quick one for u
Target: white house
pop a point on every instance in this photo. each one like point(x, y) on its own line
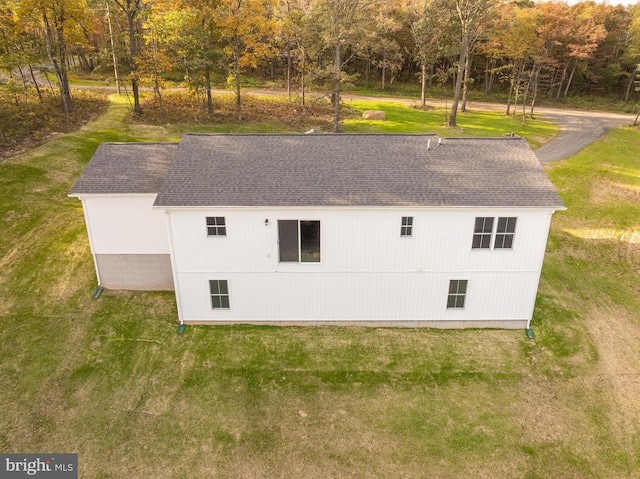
point(389, 230)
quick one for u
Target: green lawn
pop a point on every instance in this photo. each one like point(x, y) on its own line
point(403, 119)
point(111, 379)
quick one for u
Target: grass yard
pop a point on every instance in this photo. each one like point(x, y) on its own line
point(111, 379)
point(401, 119)
point(268, 114)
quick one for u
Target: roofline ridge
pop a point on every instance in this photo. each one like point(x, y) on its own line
point(305, 135)
point(129, 143)
point(484, 138)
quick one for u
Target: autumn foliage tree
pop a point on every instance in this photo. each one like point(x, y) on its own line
point(343, 25)
point(59, 21)
point(519, 48)
point(246, 27)
point(132, 9)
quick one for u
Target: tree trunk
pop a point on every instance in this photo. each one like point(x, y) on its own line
point(53, 92)
point(465, 82)
point(512, 84)
point(289, 72)
point(384, 67)
point(524, 103)
point(564, 75)
point(458, 84)
point(57, 56)
point(515, 85)
point(207, 86)
point(535, 91)
point(367, 73)
point(23, 77)
point(133, 49)
point(632, 78)
point(236, 67)
point(159, 95)
point(337, 70)
point(486, 78)
point(526, 92)
point(113, 49)
point(35, 82)
point(573, 70)
point(423, 74)
point(302, 78)
point(553, 81)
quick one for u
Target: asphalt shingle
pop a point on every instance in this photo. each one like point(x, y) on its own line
point(354, 170)
point(125, 168)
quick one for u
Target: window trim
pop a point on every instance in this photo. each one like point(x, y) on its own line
point(216, 227)
point(299, 238)
point(220, 295)
point(406, 229)
point(457, 294)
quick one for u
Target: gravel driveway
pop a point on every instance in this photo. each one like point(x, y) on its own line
point(577, 130)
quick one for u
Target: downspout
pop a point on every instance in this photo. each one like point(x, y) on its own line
point(533, 306)
point(87, 221)
point(174, 271)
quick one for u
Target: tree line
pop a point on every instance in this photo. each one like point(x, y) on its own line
point(521, 48)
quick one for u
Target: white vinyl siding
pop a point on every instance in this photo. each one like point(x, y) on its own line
point(303, 296)
point(122, 224)
point(364, 263)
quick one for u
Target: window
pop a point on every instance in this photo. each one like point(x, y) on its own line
point(482, 233)
point(457, 293)
point(504, 233)
point(219, 294)
point(299, 241)
point(406, 228)
point(216, 226)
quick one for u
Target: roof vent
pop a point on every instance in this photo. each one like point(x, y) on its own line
point(428, 145)
point(313, 131)
point(439, 141)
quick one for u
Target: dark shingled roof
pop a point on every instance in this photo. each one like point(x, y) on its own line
point(354, 170)
point(121, 168)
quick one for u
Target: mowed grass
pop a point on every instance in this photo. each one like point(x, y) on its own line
point(403, 119)
point(111, 379)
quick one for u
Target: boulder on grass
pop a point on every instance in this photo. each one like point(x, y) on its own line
point(374, 115)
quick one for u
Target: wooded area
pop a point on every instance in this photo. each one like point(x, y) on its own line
point(521, 48)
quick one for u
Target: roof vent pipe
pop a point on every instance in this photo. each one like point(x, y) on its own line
point(428, 145)
point(439, 141)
